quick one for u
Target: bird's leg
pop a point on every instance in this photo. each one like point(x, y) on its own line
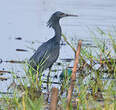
point(48, 82)
point(48, 77)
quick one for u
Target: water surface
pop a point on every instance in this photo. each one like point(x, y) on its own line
point(27, 19)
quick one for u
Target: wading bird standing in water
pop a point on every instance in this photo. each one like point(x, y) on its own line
point(47, 54)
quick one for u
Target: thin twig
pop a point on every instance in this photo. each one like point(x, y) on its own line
point(54, 99)
point(73, 76)
point(14, 61)
point(3, 78)
point(2, 71)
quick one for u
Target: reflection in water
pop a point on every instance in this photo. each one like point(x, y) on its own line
point(67, 59)
point(1, 61)
point(18, 38)
point(21, 50)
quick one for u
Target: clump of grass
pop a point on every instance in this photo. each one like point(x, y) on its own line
point(27, 95)
point(97, 68)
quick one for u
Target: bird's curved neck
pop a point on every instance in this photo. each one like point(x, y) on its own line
point(57, 29)
point(54, 23)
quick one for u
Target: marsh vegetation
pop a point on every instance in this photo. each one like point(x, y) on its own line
point(95, 87)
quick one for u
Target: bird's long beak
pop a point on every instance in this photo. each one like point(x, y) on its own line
point(71, 15)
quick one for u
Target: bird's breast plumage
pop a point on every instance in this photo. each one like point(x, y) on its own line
point(46, 54)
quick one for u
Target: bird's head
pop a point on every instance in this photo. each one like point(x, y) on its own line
point(57, 16)
point(60, 14)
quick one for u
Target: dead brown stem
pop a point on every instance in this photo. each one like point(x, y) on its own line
point(73, 76)
point(54, 99)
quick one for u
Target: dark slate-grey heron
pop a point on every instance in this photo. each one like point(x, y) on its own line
point(47, 54)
